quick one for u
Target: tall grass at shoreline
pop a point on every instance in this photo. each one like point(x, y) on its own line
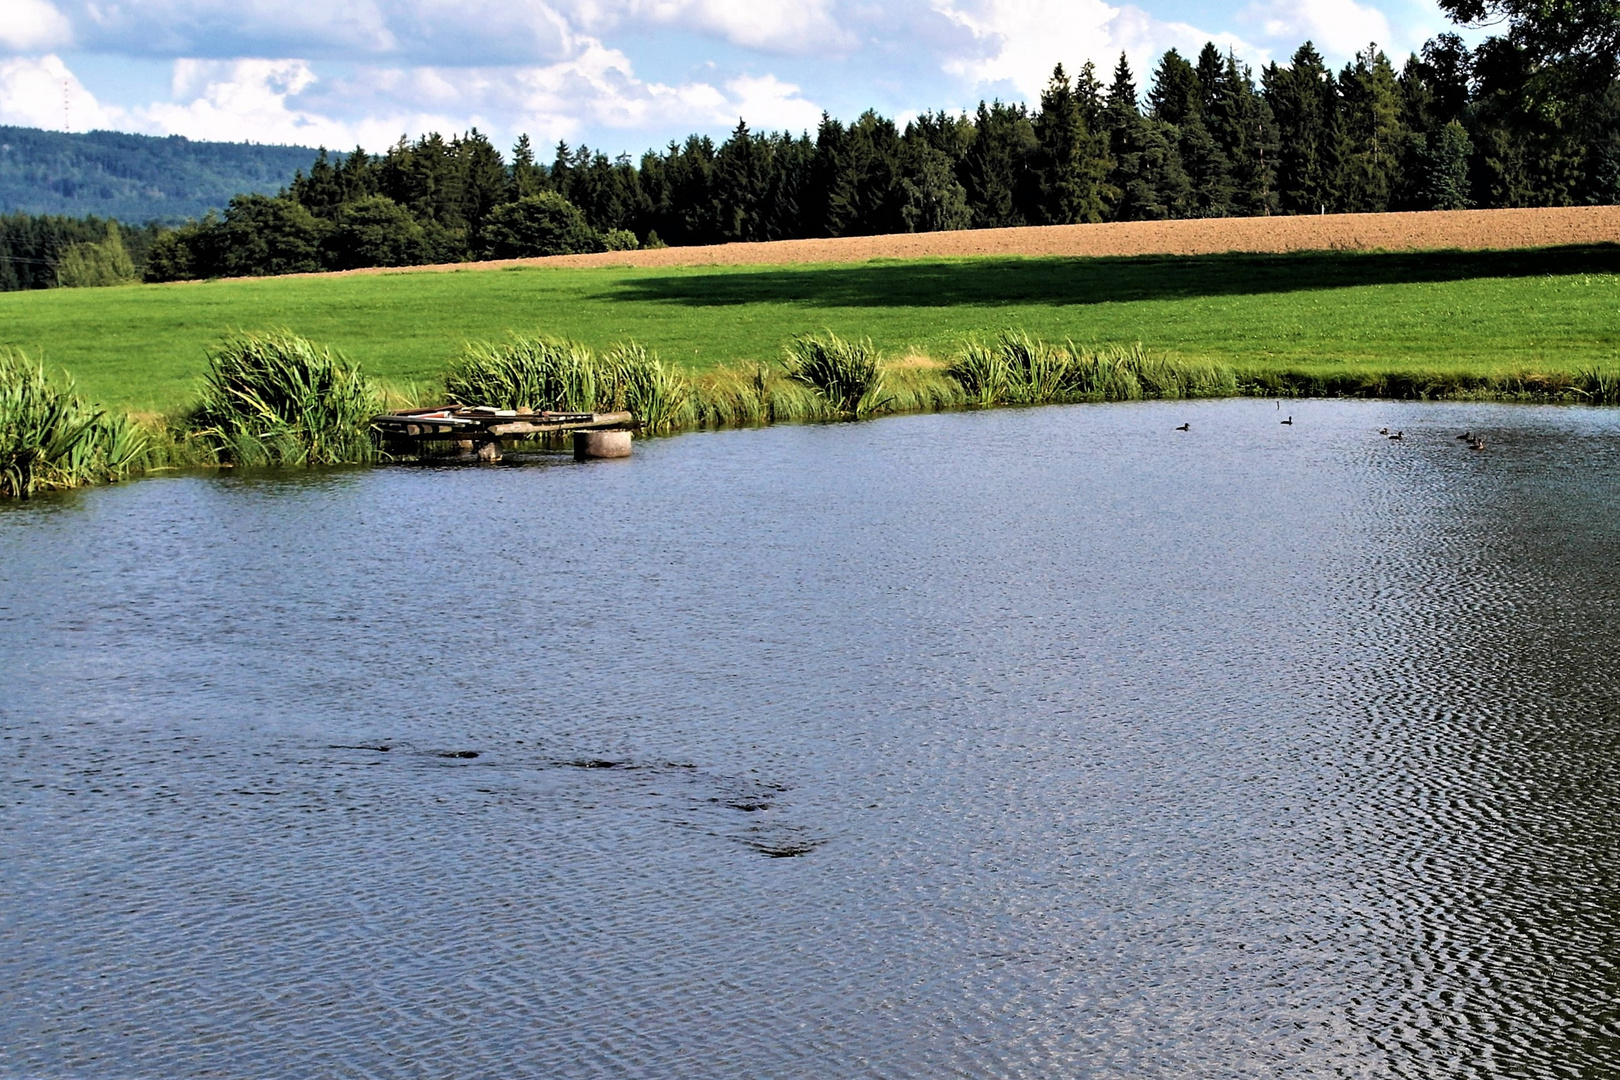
point(279, 399)
point(847, 375)
point(1016, 369)
point(554, 374)
point(50, 439)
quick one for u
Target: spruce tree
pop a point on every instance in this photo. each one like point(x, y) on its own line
point(524, 176)
point(357, 176)
point(996, 166)
point(1177, 96)
point(742, 176)
point(1304, 100)
point(1446, 183)
point(1147, 173)
point(1072, 162)
point(1374, 133)
point(483, 181)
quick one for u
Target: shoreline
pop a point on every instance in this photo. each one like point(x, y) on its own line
point(176, 459)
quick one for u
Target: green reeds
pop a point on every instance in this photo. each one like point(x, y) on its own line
point(848, 375)
point(277, 398)
point(755, 395)
point(554, 374)
point(635, 380)
point(50, 439)
point(1016, 369)
point(528, 373)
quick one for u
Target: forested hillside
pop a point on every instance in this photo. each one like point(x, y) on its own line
point(134, 178)
point(1514, 122)
point(1453, 128)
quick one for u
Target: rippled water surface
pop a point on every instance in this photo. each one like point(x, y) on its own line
point(1017, 744)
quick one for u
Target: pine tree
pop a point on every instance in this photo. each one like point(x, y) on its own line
point(1446, 182)
point(357, 176)
point(319, 192)
point(1072, 162)
point(1177, 95)
point(742, 176)
point(1374, 133)
point(1148, 173)
point(786, 207)
point(1088, 94)
point(996, 170)
point(1246, 131)
point(482, 175)
point(1178, 98)
point(524, 176)
point(1304, 100)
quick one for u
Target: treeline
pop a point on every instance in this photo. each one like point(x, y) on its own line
point(1454, 128)
point(45, 251)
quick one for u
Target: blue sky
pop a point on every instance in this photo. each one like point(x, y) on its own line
point(621, 75)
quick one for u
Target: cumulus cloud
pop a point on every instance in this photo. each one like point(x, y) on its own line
point(790, 26)
point(1019, 41)
point(1338, 28)
point(342, 72)
point(32, 26)
point(288, 101)
point(595, 91)
point(42, 92)
point(472, 32)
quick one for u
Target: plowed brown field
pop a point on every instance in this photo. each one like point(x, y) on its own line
point(1434, 230)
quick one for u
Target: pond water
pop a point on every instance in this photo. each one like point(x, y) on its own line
point(1028, 743)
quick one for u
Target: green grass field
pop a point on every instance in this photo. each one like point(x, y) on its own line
point(1324, 313)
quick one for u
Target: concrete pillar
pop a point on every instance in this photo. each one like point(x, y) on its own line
point(601, 444)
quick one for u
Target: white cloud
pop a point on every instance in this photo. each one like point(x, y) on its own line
point(32, 26)
point(209, 28)
point(42, 92)
point(471, 32)
point(1338, 28)
point(791, 26)
point(287, 101)
point(233, 100)
point(767, 102)
point(1021, 40)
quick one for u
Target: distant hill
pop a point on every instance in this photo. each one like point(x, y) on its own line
point(134, 178)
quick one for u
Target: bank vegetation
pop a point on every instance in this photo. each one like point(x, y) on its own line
point(278, 399)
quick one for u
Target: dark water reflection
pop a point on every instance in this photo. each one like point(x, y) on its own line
point(1101, 751)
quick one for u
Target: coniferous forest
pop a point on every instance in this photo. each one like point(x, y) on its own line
point(1511, 123)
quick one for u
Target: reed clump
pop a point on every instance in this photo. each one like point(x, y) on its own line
point(280, 399)
point(755, 395)
point(848, 375)
point(50, 439)
point(1016, 369)
point(542, 373)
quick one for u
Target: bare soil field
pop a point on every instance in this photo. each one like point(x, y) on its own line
point(1460, 230)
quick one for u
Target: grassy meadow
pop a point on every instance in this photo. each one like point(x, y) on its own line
point(1330, 315)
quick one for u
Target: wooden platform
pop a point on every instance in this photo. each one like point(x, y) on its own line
point(479, 430)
